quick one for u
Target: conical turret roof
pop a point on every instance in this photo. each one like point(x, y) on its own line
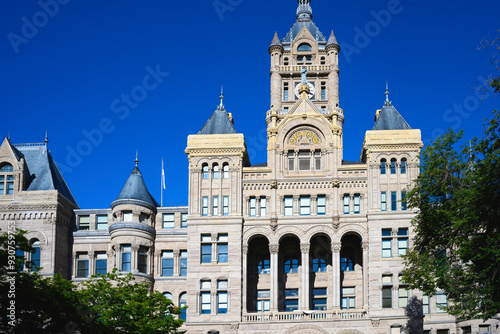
point(389, 118)
point(332, 40)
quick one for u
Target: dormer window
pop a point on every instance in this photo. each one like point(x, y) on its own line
point(304, 47)
point(6, 179)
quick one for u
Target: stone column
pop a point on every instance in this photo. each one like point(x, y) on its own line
point(151, 262)
point(158, 262)
point(74, 264)
point(134, 258)
point(91, 263)
point(364, 246)
point(314, 205)
point(244, 249)
point(351, 203)
point(296, 205)
point(304, 249)
point(214, 248)
point(246, 200)
point(257, 206)
point(273, 251)
point(110, 254)
point(336, 275)
point(177, 262)
point(118, 257)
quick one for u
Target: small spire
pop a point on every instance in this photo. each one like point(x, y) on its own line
point(46, 140)
point(8, 136)
point(221, 98)
point(276, 39)
point(136, 158)
point(387, 102)
point(304, 11)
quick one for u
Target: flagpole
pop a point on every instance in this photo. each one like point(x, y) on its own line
point(162, 186)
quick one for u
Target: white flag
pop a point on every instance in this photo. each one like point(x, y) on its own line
point(162, 175)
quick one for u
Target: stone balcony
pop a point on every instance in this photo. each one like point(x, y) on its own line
point(310, 68)
point(301, 316)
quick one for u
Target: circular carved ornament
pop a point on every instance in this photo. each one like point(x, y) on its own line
point(304, 137)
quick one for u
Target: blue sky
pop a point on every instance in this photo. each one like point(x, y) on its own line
point(68, 66)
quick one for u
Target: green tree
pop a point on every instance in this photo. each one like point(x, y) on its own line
point(117, 304)
point(457, 229)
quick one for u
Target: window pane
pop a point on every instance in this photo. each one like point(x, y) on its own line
point(222, 253)
point(168, 220)
point(291, 292)
point(206, 253)
point(183, 263)
point(263, 293)
point(205, 285)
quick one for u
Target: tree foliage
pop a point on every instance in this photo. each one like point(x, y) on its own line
point(457, 229)
point(106, 304)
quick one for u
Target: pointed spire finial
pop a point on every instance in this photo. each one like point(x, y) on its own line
point(46, 140)
point(8, 136)
point(221, 98)
point(136, 158)
point(387, 102)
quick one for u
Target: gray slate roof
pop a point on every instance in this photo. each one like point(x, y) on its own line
point(276, 40)
point(332, 40)
point(43, 170)
point(390, 119)
point(218, 123)
point(135, 190)
point(318, 36)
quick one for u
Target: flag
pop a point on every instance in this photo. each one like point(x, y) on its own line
point(162, 175)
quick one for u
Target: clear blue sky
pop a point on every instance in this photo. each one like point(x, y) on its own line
point(67, 72)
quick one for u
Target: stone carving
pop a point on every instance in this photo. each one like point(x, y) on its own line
point(336, 183)
point(273, 249)
point(336, 247)
point(303, 75)
point(304, 248)
point(274, 224)
point(274, 184)
point(336, 222)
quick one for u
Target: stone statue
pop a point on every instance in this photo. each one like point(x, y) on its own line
point(304, 75)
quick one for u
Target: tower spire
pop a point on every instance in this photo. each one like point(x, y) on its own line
point(46, 140)
point(221, 98)
point(136, 158)
point(387, 102)
point(304, 11)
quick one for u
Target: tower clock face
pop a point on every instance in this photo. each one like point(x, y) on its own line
point(312, 90)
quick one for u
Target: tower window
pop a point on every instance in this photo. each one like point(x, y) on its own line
point(403, 166)
point(304, 47)
point(285, 61)
point(322, 62)
point(304, 60)
point(6, 181)
point(383, 164)
point(323, 90)
point(285, 91)
point(142, 263)
point(393, 166)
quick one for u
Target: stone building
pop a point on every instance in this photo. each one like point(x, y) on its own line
point(305, 243)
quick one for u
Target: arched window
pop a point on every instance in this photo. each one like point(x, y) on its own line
point(225, 171)
point(285, 61)
point(35, 255)
point(319, 260)
point(403, 166)
point(204, 170)
point(291, 261)
point(393, 166)
point(347, 258)
point(182, 303)
point(304, 47)
point(383, 165)
point(263, 263)
point(169, 296)
point(322, 61)
point(215, 170)
point(6, 180)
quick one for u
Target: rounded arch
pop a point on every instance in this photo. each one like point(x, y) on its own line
point(306, 329)
point(6, 167)
point(351, 229)
point(256, 233)
point(37, 235)
point(304, 47)
point(289, 231)
point(320, 127)
point(319, 230)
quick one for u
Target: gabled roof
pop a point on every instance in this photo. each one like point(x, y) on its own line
point(390, 119)
point(297, 27)
point(135, 190)
point(44, 174)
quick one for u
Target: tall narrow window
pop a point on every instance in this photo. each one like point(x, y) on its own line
point(285, 61)
point(263, 206)
point(322, 61)
point(263, 264)
point(184, 259)
point(168, 220)
point(204, 206)
point(357, 203)
point(167, 264)
point(387, 297)
point(386, 243)
point(204, 170)
point(319, 299)
point(215, 171)
point(225, 205)
point(441, 302)
point(288, 205)
point(126, 257)
point(82, 265)
point(182, 303)
point(263, 300)
point(346, 204)
point(142, 261)
point(348, 298)
point(425, 304)
point(10, 185)
point(394, 200)
point(402, 296)
point(35, 255)
point(323, 90)
point(291, 300)
point(383, 201)
point(215, 206)
point(403, 200)
point(83, 223)
point(206, 248)
point(285, 91)
point(184, 220)
point(222, 251)
point(205, 297)
point(403, 166)
point(225, 171)
point(317, 160)
point(305, 205)
point(383, 164)
point(222, 300)
point(319, 261)
point(291, 262)
point(101, 222)
point(20, 257)
point(291, 161)
point(402, 241)
point(393, 166)
point(321, 205)
point(252, 207)
point(304, 160)
point(101, 263)
point(347, 257)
